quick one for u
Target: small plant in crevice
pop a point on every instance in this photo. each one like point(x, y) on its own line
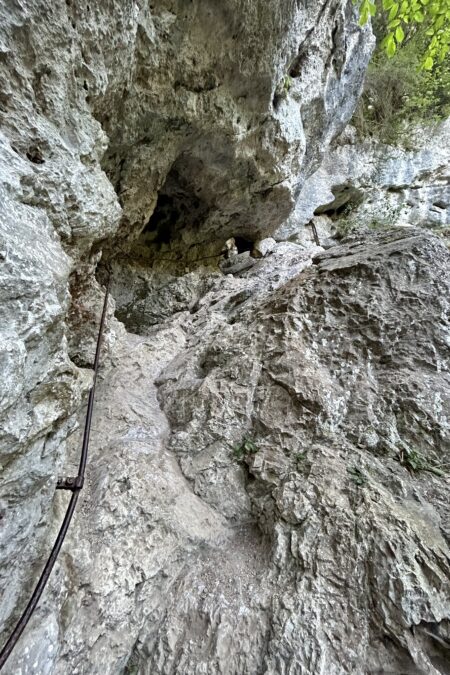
point(287, 83)
point(282, 90)
point(414, 461)
point(132, 667)
point(300, 456)
point(244, 449)
point(131, 670)
point(357, 476)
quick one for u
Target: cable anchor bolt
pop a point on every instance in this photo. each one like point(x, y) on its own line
point(70, 483)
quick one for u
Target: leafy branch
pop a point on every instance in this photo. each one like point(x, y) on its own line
point(414, 461)
point(407, 18)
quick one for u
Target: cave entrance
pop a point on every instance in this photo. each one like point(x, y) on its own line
point(161, 225)
point(179, 213)
point(156, 276)
point(243, 244)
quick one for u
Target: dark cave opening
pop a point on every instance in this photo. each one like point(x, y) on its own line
point(161, 269)
point(151, 271)
point(179, 207)
point(162, 223)
point(243, 244)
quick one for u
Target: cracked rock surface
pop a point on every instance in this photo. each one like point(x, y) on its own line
point(332, 379)
point(367, 183)
point(253, 505)
point(267, 489)
point(107, 110)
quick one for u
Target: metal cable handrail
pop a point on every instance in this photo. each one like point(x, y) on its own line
point(71, 483)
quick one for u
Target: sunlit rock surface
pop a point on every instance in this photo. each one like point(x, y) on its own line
point(361, 184)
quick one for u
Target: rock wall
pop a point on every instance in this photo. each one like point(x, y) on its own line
point(297, 417)
point(239, 473)
point(268, 487)
point(155, 95)
point(364, 183)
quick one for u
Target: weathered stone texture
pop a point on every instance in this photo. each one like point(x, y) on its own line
point(142, 91)
point(314, 549)
point(336, 378)
point(364, 183)
point(153, 133)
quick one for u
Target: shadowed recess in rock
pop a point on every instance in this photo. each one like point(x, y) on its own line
point(179, 206)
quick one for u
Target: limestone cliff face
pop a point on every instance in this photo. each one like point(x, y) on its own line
point(364, 183)
point(147, 134)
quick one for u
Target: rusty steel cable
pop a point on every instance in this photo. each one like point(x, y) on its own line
point(74, 484)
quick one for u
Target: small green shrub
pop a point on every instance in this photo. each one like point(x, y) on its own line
point(287, 83)
point(399, 93)
point(242, 450)
point(398, 96)
point(414, 461)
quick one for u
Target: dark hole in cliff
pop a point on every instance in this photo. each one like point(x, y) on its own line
point(295, 69)
point(163, 221)
point(243, 244)
point(149, 281)
point(276, 101)
point(179, 207)
point(34, 154)
point(440, 205)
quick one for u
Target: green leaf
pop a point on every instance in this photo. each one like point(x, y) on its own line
point(391, 47)
point(399, 35)
point(393, 11)
point(364, 17)
point(428, 63)
point(444, 51)
point(412, 19)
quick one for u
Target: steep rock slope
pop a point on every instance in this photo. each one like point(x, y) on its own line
point(111, 113)
point(268, 488)
point(307, 415)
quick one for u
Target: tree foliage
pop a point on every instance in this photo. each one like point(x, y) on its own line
point(406, 19)
point(399, 96)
